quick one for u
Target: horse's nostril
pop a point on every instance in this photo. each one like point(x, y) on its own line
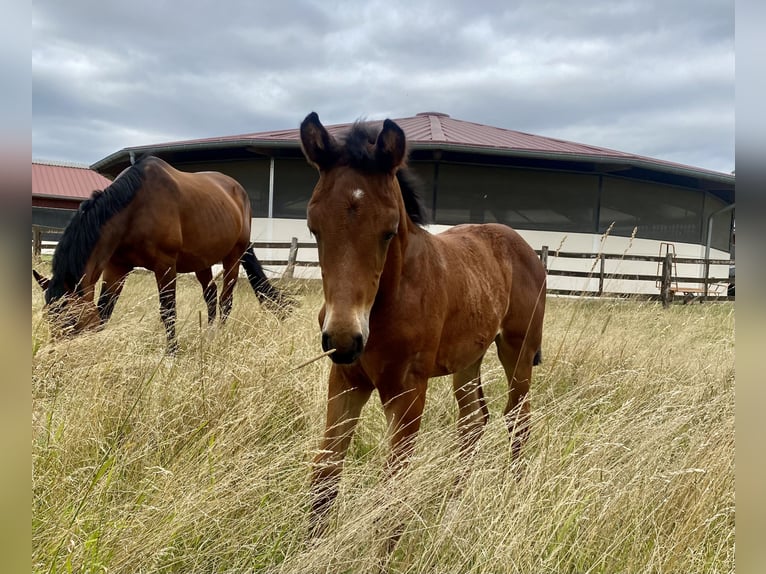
point(358, 343)
point(347, 348)
point(326, 342)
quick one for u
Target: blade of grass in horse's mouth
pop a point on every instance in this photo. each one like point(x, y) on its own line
point(304, 363)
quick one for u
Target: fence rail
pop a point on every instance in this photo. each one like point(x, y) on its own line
point(667, 284)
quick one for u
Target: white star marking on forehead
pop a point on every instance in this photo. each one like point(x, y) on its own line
point(357, 194)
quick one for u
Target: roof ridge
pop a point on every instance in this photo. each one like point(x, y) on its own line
point(437, 134)
point(60, 163)
point(550, 138)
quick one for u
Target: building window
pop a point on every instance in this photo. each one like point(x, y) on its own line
point(294, 181)
point(522, 199)
point(657, 211)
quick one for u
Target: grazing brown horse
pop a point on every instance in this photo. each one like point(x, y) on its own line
point(402, 305)
point(165, 220)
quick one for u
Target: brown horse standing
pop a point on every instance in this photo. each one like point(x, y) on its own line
point(165, 220)
point(402, 305)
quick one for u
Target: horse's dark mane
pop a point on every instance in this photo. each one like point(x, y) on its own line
point(410, 185)
point(84, 229)
point(358, 151)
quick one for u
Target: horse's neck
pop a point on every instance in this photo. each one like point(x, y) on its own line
point(94, 266)
point(404, 253)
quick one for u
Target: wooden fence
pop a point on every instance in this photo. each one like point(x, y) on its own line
point(667, 283)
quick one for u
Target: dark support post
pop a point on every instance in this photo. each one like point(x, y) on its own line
point(37, 241)
point(601, 275)
point(705, 284)
point(291, 258)
point(667, 268)
point(544, 256)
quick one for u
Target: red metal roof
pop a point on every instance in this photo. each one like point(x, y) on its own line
point(65, 180)
point(436, 127)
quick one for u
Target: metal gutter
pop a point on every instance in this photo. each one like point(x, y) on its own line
point(125, 152)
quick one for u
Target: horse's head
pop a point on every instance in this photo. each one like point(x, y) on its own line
point(68, 313)
point(355, 213)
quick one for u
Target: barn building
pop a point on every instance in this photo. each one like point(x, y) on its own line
point(557, 193)
point(58, 188)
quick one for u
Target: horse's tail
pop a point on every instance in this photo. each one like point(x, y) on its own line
point(267, 294)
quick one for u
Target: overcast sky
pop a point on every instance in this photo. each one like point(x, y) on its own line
point(650, 77)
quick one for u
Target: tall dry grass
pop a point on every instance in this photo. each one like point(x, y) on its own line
point(200, 462)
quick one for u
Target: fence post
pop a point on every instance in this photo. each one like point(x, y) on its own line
point(291, 258)
point(37, 241)
point(601, 275)
point(544, 256)
point(667, 268)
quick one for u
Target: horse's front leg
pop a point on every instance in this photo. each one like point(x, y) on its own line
point(114, 280)
point(209, 292)
point(472, 407)
point(348, 391)
point(166, 284)
point(403, 404)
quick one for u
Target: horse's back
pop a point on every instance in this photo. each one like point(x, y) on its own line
point(203, 189)
point(494, 244)
point(498, 253)
point(198, 218)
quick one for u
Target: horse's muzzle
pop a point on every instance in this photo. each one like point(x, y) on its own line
point(347, 348)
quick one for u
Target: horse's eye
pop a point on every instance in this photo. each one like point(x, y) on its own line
point(388, 236)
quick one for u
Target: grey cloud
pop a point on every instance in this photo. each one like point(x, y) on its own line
point(646, 76)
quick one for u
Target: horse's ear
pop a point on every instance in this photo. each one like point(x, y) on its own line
point(43, 282)
point(318, 145)
point(391, 147)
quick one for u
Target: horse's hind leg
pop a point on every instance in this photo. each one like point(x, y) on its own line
point(230, 274)
point(209, 292)
point(166, 284)
point(517, 359)
point(472, 408)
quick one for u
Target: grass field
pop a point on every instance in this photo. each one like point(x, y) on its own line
point(200, 462)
